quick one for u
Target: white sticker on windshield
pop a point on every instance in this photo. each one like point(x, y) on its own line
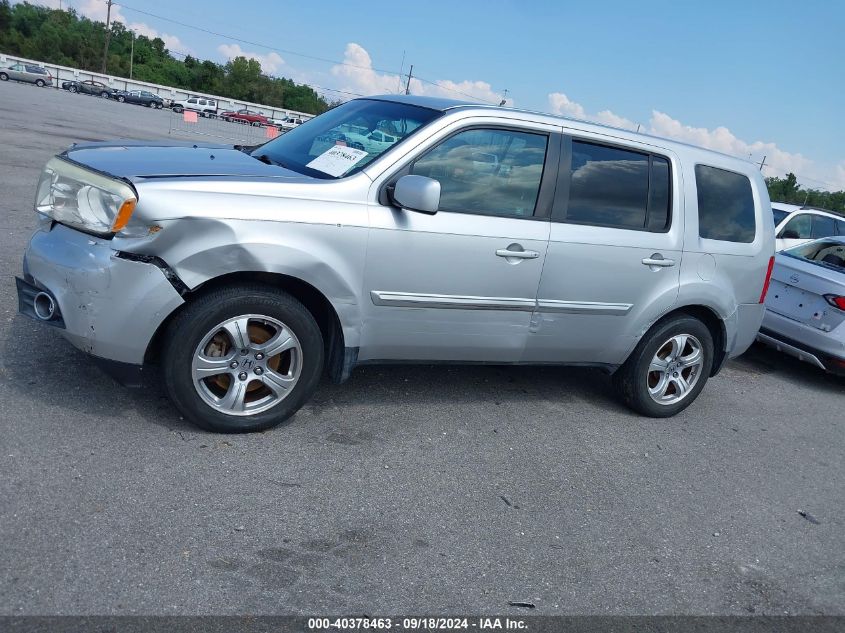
point(337, 160)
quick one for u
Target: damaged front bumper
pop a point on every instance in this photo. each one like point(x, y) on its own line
point(104, 303)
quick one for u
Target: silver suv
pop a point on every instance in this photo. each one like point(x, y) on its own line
point(247, 273)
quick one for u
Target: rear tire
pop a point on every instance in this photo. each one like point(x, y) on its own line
point(73, 89)
point(668, 368)
point(215, 379)
point(40, 83)
point(159, 105)
point(121, 99)
point(104, 95)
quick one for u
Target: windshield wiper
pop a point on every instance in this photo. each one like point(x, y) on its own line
point(269, 161)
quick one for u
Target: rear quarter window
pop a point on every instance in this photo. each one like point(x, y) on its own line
point(725, 205)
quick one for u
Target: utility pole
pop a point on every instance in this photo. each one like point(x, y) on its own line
point(132, 55)
point(108, 36)
point(408, 85)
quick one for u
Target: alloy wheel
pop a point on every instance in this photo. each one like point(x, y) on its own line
point(246, 365)
point(675, 369)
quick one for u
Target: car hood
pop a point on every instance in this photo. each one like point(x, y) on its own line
point(135, 161)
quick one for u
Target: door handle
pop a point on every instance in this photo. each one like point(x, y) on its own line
point(504, 252)
point(658, 261)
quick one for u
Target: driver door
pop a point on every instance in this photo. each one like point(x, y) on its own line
point(461, 285)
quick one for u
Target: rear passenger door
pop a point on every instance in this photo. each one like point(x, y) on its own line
point(614, 252)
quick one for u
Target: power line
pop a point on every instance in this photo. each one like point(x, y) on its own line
point(802, 177)
point(296, 54)
point(251, 43)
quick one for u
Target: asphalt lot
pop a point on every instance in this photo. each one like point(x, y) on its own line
point(408, 490)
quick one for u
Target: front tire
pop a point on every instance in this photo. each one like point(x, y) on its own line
point(73, 89)
point(121, 99)
point(668, 368)
point(104, 95)
point(4, 77)
point(242, 358)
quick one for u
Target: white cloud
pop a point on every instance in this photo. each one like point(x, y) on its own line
point(721, 139)
point(358, 75)
point(270, 63)
point(96, 10)
point(561, 104)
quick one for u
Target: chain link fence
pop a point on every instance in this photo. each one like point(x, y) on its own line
point(191, 125)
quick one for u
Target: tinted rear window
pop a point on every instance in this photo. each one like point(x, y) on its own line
point(725, 205)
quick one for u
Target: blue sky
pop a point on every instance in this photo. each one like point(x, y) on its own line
point(759, 78)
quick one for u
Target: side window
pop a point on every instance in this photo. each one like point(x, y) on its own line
point(618, 188)
point(725, 205)
point(840, 227)
point(823, 226)
point(192, 100)
point(800, 227)
point(487, 171)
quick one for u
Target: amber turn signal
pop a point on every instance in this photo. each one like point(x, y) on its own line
point(123, 215)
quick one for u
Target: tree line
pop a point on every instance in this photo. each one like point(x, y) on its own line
point(788, 190)
point(69, 39)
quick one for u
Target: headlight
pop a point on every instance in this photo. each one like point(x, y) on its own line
point(82, 198)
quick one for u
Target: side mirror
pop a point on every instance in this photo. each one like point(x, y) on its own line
point(792, 234)
point(417, 193)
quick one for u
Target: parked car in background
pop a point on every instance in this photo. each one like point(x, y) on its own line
point(287, 123)
point(88, 87)
point(805, 305)
point(202, 105)
point(376, 141)
point(798, 225)
point(249, 275)
point(29, 73)
point(245, 115)
point(139, 97)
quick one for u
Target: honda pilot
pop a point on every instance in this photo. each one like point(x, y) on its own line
point(474, 235)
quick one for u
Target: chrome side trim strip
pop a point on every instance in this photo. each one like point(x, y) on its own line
point(790, 350)
point(453, 302)
point(584, 307)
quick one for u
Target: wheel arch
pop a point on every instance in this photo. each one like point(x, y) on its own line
point(710, 317)
point(340, 360)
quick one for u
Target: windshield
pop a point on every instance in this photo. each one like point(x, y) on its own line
point(780, 215)
point(344, 140)
point(827, 253)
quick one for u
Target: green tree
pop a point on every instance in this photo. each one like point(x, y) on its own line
point(65, 38)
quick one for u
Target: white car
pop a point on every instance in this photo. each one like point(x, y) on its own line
point(373, 143)
point(202, 105)
point(795, 225)
point(287, 124)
